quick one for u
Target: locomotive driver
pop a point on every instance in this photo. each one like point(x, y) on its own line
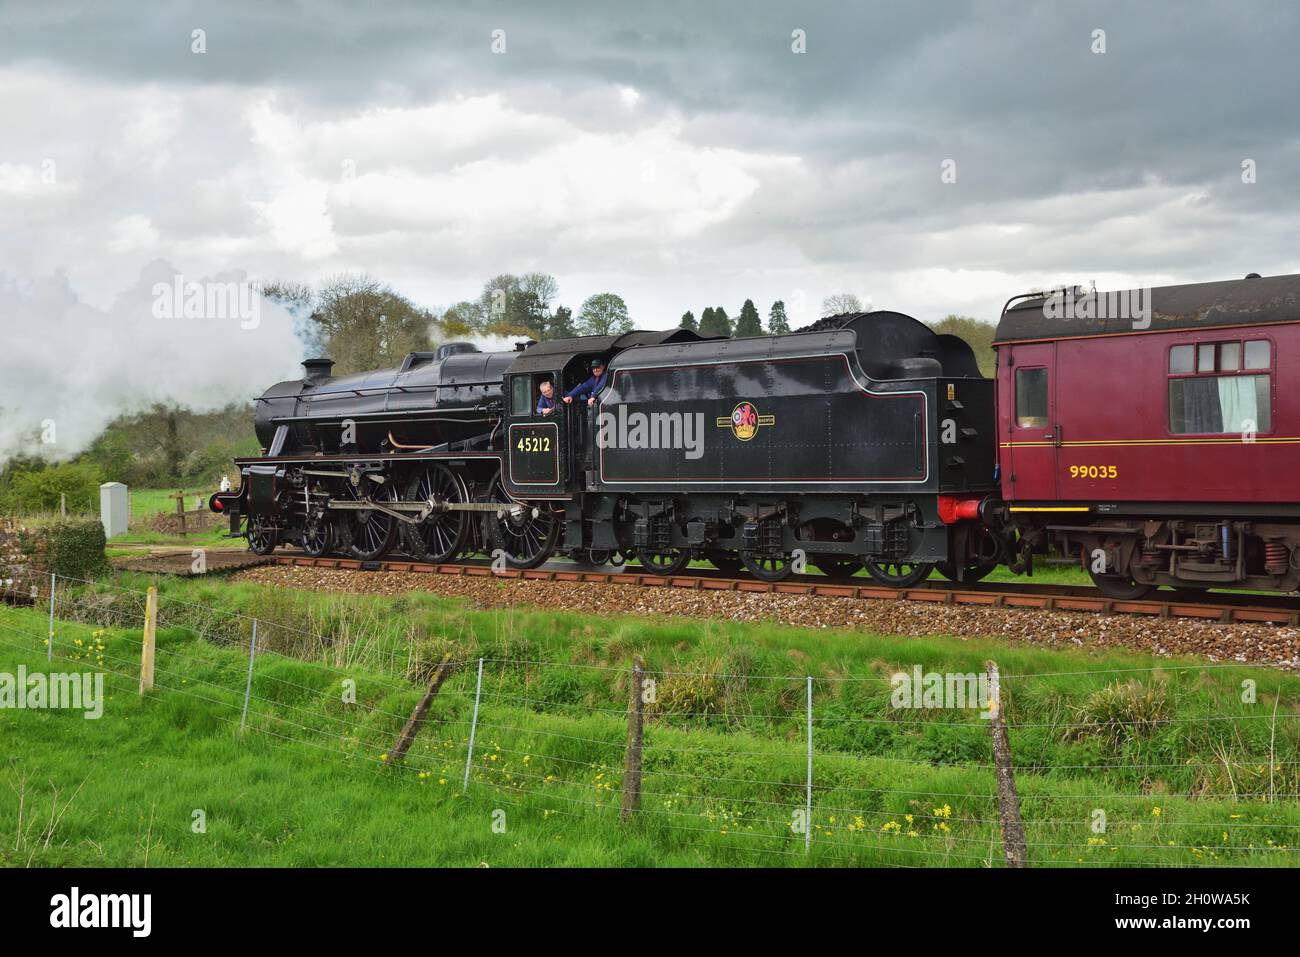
point(589, 388)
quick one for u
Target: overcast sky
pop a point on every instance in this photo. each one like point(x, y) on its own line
point(680, 154)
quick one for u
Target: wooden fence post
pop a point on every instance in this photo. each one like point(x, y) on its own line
point(635, 727)
point(1014, 849)
point(147, 645)
point(416, 720)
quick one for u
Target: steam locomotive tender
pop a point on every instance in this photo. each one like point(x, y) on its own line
point(868, 441)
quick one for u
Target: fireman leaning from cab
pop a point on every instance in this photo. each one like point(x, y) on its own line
point(588, 389)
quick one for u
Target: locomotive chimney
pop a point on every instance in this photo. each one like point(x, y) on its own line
point(317, 369)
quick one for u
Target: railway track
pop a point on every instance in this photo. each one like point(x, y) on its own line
point(1228, 608)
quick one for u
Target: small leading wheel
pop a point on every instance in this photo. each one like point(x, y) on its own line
point(1119, 587)
point(837, 567)
point(769, 568)
point(441, 536)
point(525, 534)
point(895, 574)
point(262, 535)
point(317, 537)
point(371, 531)
point(664, 563)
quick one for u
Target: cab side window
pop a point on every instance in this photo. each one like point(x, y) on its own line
point(521, 395)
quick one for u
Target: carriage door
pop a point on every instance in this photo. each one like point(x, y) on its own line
point(533, 441)
point(1031, 433)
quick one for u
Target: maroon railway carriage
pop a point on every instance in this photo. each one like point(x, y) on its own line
point(1161, 445)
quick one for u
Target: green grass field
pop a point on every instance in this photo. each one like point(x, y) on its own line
point(1181, 767)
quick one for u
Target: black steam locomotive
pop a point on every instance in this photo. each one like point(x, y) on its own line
point(867, 440)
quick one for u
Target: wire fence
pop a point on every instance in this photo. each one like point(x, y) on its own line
point(817, 775)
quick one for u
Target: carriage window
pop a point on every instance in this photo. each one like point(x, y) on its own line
point(1180, 359)
point(1216, 397)
point(521, 397)
point(1031, 398)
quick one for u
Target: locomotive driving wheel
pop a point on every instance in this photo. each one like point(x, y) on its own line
point(441, 536)
point(262, 535)
point(526, 534)
point(372, 532)
point(895, 574)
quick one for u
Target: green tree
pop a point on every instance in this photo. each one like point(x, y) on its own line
point(749, 323)
point(777, 323)
point(41, 488)
point(561, 325)
point(511, 308)
point(715, 322)
point(688, 322)
point(977, 334)
point(366, 325)
point(604, 314)
point(462, 319)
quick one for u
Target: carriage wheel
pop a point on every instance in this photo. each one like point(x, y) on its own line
point(769, 568)
point(527, 534)
point(441, 536)
point(898, 574)
point(1119, 587)
point(372, 533)
point(664, 563)
point(262, 535)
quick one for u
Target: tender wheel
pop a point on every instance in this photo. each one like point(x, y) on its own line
point(974, 573)
point(441, 536)
point(664, 563)
point(317, 538)
point(262, 535)
point(898, 574)
point(837, 566)
point(1120, 587)
point(769, 568)
point(725, 562)
point(372, 533)
point(527, 534)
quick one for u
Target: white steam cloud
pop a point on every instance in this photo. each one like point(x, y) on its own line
point(67, 369)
